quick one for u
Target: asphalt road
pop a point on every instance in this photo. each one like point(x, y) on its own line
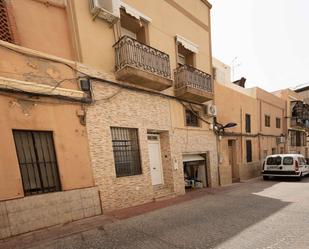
point(256, 214)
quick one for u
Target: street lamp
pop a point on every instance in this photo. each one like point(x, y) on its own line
point(220, 127)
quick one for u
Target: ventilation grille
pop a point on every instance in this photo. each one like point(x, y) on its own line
point(5, 32)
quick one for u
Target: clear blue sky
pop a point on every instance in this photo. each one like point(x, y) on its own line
point(270, 39)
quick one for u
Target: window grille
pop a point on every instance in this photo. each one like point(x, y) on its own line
point(126, 151)
point(191, 119)
point(5, 30)
point(37, 161)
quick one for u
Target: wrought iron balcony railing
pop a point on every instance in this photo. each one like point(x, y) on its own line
point(130, 52)
point(189, 76)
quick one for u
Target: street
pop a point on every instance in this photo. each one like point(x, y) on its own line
point(256, 214)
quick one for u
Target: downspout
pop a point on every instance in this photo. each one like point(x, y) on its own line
point(241, 137)
point(260, 129)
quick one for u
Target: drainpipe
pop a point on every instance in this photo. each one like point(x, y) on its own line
point(218, 157)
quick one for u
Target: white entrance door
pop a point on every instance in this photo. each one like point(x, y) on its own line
point(155, 159)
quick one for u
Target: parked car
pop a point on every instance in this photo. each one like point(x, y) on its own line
point(290, 165)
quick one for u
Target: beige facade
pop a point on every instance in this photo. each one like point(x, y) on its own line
point(248, 108)
point(116, 112)
point(44, 146)
point(144, 84)
point(295, 127)
point(145, 101)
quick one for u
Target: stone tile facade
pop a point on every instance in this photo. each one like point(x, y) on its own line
point(119, 107)
point(39, 211)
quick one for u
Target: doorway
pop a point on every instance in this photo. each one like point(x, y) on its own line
point(232, 160)
point(195, 171)
point(155, 160)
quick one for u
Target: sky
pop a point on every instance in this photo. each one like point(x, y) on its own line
point(266, 41)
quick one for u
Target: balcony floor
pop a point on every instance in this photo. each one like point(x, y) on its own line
point(143, 78)
point(193, 94)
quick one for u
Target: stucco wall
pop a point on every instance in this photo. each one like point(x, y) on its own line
point(70, 140)
point(97, 38)
point(25, 65)
point(48, 28)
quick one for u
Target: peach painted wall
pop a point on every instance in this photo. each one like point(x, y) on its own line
point(70, 140)
point(42, 26)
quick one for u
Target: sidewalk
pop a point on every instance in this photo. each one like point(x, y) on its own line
point(50, 234)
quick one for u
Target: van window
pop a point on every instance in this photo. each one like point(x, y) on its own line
point(288, 161)
point(302, 161)
point(274, 160)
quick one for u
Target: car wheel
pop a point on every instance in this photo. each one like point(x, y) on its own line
point(265, 178)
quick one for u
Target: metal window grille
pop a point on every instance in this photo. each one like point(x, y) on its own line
point(249, 150)
point(191, 119)
point(248, 123)
point(5, 30)
point(37, 161)
point(126, 151)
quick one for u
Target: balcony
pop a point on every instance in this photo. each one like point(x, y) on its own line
point(193, 84)
point(299, 115)
point(142, 65)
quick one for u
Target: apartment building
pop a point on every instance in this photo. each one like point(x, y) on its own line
point(147, 127)
point(45, 169)
point(104, 106)
point(259, 131)
point(296, 121)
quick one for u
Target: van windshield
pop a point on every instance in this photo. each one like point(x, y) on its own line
point(288, 160)
point(274, 160)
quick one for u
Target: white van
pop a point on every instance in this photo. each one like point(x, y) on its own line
point(290, 165)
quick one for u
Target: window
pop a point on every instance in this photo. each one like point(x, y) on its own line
point(126, 151)
point(301, 161)
point(288, 161)
point(274, 160)
point(267, 121)
point(37, 161)
point(191, 118)
point(185, 56)
point(5, 29)
point(248, 123)
point(278, 123)
point(298, 138)
point(133, 27)
point(249, 150)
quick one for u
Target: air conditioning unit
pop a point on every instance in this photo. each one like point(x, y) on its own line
point(108, 10)
point(210, 110)
point(280, 140)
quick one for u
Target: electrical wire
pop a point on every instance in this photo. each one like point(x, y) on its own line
point(195, 113)
point(90, 77)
